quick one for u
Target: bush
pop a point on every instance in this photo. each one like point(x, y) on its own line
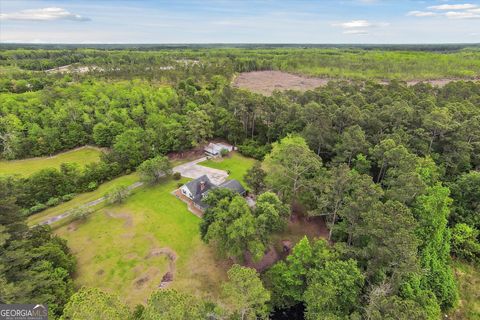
point(177, 176)
point(464, 243)
point(37, 208)
point(52, 202)
point(223, 152)
point(179, 185)
point(253, 149)
point(92, 186)
point(68, 197)
point(118, 194)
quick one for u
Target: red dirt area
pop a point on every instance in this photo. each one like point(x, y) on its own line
point(265, 82)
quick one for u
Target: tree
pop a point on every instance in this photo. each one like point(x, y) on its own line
point(234, 231)
point(118, 194)
point(94, 304)
point(395, 255)
point(431, 211)
point(152, 170)
point(255, 178)
point(333, 291)
point(351, 143)
point(246, 296)
point(287, 280)
point(270, 215)
point(466, 195)
point(465, 242)
point(172, 305)
point(290, 166)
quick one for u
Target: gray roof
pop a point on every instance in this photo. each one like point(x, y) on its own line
point(194, 186)
point(233, 185)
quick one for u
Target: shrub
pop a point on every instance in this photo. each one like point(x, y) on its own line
point(118, 194)
point(223, 152)
point(52, 202)
point(92, 186)
point(68, 197)
point(253, 149)
point(179, 185)
point(177, 176)
point(37, 208)
point(464, 242)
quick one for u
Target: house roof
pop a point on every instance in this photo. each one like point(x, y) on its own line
point(195, 185)
point(233, 185)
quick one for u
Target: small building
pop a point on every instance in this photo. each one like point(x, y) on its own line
point(215, 149)
point(196, 190)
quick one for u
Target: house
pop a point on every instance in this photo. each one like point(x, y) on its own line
point(215, 149)
point(234, 185)
point(196, 190)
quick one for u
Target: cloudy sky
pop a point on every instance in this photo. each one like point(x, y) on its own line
point(237, 21)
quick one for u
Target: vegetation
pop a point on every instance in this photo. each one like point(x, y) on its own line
point(391, 168)
point(236, 164)
point(27, 167)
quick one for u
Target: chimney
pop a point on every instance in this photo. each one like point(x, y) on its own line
point(202, 185)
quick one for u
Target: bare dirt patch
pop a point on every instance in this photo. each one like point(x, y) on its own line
point(172, 257)
point(126, 216)
point(270, 257)
point(265, 82)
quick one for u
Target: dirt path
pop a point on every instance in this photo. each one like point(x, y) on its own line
point(190, 170)
point(265, 82)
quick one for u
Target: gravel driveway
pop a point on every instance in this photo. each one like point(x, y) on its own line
point(193, 170)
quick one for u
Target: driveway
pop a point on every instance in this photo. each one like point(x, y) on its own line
point(190, 170)
point(193, 170)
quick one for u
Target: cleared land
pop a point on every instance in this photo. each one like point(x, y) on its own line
point(265, 82)
point(139, 246)
point(236, 164)
point(26, 167)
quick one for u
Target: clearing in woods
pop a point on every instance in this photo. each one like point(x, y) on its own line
point(148, 242)
point(265, 82)
point(26, 167)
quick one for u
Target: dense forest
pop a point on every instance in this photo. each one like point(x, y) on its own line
point(393, 170)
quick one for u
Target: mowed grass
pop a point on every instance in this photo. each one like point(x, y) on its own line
point(237, 164)
point(113, 247)
point(26, 167)
point(83, 198)
point(468, 279)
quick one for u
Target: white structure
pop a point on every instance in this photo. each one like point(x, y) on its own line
point(215, 149)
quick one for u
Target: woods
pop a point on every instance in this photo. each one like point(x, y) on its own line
point(392, 169)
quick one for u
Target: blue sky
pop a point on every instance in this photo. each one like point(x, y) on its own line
point(237, 21)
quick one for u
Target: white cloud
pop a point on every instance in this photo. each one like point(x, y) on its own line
point(462, 15)
point(422, 13)
point(43, 14)
point(356, 31)
point(474, 10)
point(360, 24)
point(453, 6)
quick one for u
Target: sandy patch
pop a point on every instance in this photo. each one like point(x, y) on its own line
point(265, 82)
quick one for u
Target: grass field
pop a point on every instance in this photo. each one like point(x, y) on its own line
point(122, 248)
point(468, 278)
point(83, 198)
point(26, 167)
point(237, 164)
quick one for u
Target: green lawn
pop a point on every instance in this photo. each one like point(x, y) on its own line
point(83, 198)
point(234, 162)
point(112, 247)
point(26, 167)
point(468, 278)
